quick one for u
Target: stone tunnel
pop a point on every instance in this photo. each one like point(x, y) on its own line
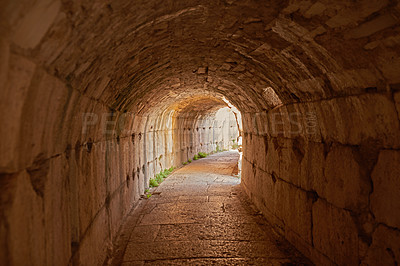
point(98, 96)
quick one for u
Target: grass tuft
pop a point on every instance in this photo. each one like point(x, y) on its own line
point(202, 154)
point(153, 183)
point(159, 178)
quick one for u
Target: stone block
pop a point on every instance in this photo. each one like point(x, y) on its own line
point(57, 209)
point(344, 185)
point(226, 66)
point(260, 149)
point(339, 20)
point(371, 45)
point(261, 120)
point(94, 245)
point(297, 213)
point(397, 102)
point(201, 70)
point(310, 122)
point(34, 25)
point(312, 166)
point(329, 120)
point(4, 62)
point(12, 99)
point(247, 150)
point(317, 31)
point(239, 68)
point(260, 187)
point(279, 122)
point(390, 68)
point(295, 6)
point(116, 211)
point(295, 122)
point(262, 49)
point(43, 126)
point(290, 162)
point(385, 198)
point(334, 233)
point(352, 80)
point(272, 157)
point(351, 14)
point(370, 27)
point(315, 9)
point(22, 226)
point(385, 247)
point(353, 120)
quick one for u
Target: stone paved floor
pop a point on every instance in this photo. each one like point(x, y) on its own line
point(200, 216)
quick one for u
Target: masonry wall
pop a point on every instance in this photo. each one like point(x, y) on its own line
point(74, 167)
point(326, 181)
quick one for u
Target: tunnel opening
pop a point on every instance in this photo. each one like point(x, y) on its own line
point(178, 133)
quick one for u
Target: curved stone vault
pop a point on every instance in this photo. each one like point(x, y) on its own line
point(97, 96)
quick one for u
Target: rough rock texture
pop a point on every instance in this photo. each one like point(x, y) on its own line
point(89, 90)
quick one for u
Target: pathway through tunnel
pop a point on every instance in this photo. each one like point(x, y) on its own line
point(200, 216)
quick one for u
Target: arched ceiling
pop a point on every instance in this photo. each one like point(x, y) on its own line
point(135, 54)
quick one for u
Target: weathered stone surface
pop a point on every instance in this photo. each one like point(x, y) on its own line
point(353, 80)
point(373, 26)
point(349, 14)
point(390, 67)
point(312, 166)
point(345, 123)
point(13, 96)
point(385, 198)
point(23, 221)
point(340, 190)
point(35, 23)
point(295, 206)
point(334, 233)
point(397, 101)
point(315, 9)
point(385, 247)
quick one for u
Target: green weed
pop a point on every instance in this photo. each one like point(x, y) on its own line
point(202, 154)
point(153, 183)
point(159, 178)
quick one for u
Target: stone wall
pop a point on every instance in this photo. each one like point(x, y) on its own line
point(323, 178)
point(64, 202)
